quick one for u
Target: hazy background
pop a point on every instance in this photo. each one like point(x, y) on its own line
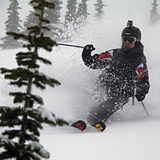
point(140, 8)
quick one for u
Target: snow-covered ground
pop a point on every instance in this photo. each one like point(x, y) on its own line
point(130, 133)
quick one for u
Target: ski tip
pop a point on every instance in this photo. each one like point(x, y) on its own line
point(100, 126)
point(81, 125)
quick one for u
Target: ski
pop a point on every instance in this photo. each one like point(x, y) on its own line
point(81, 125)
point(100, 126)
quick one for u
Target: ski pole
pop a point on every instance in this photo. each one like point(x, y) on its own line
point(145, 108)
point(133, 96)
point(69, 45)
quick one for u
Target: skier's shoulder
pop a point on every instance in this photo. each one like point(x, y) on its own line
point(107, 54)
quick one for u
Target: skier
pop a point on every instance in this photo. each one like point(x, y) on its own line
point(126, 73)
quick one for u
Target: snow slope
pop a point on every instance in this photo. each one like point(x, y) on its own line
point(130, 133)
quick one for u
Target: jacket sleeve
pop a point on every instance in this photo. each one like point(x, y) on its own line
point(97, 61)
point(143, 84)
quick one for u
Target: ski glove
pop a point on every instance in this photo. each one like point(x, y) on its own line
point(88, 49)
point(140, 96)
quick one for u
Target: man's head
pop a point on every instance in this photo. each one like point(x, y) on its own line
point(130, 35)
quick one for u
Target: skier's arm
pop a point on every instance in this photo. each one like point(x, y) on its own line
point(97, 61)
point(143, 84)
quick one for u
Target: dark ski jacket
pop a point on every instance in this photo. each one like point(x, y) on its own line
point(125, 69)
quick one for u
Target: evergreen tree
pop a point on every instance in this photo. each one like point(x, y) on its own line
point(12, 25)
point(54, 14)
point(154, 14)
point(30, 20)
point(70, 16)
point(82, 13)
point(21, 141)
point(99, 6)
point(55, 25)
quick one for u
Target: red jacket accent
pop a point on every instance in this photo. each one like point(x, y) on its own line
point(140, 73)
point(104, 56)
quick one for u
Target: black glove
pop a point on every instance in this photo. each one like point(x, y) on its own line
point(88, 49)
point(140, 96)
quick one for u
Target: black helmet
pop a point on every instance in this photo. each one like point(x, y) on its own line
point(131, 31)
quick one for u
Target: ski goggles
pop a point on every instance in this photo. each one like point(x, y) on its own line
point(130, 40)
